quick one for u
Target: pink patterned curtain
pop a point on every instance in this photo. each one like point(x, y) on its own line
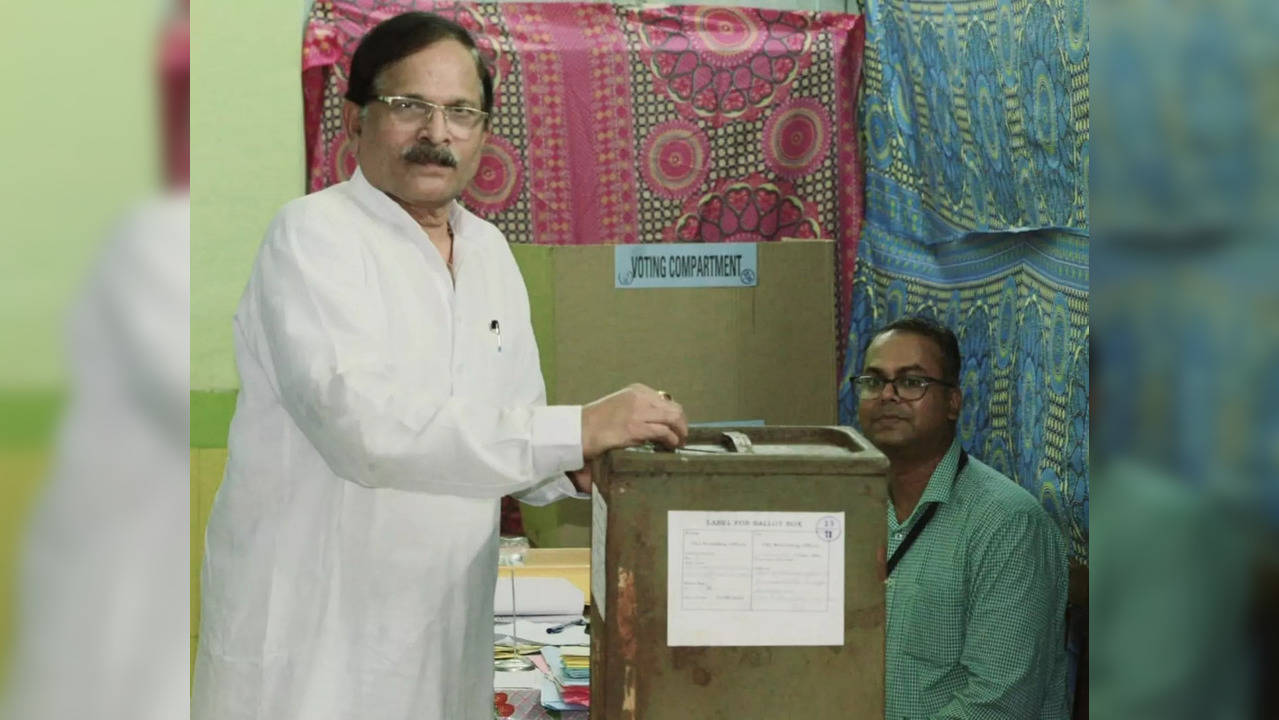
point(624, 125)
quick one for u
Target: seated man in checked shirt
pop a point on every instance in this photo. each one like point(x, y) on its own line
point(976, 604)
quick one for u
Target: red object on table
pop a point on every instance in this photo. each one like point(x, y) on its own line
point(503, 708)
point(528, 706)
point(577, 695)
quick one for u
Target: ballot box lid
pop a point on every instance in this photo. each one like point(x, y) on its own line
point(758, 450)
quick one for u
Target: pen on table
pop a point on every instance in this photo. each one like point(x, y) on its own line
point(560, 628)
point(496, 329)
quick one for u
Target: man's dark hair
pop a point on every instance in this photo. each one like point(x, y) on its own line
point(398, 37)
point(939, 334)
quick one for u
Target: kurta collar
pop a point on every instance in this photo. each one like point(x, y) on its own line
point(382, 205)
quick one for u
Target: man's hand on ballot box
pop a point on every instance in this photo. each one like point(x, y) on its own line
point(630, 417)
point(581, 478)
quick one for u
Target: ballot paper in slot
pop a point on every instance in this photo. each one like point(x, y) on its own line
point(537, 596)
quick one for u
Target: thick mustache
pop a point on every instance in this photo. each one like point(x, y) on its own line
point(427, 154)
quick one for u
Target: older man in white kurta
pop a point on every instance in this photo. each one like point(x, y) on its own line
point(371, 548)
point(390, 396)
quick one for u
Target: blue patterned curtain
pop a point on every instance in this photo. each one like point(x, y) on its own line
point(975, 123)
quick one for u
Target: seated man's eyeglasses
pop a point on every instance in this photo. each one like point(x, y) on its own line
point(906, 387)
point(460, 119)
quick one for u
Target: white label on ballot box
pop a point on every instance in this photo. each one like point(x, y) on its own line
point(755, 578)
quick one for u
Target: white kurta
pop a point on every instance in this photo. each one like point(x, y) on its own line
point(351, 553)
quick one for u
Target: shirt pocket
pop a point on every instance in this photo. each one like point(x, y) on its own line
point(478, 372)
point(933, 615)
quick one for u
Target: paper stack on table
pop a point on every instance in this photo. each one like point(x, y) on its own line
point(538, 596)
point(548, 612)
point(567, 685)
point(576, 662)
point(533, 636)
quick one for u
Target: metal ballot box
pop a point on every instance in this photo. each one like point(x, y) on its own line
point(739, 577)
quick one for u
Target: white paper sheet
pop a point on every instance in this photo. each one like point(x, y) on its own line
point(755, 578)
point(537, 596)
point(516, 679)
point(599, 536)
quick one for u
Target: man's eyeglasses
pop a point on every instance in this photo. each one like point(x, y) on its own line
point(906, 387)
point(460, 119)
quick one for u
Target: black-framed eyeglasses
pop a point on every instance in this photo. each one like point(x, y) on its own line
point(461, 119)
point(906, 387)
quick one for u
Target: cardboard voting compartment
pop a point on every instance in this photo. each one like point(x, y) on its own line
point(764, 353)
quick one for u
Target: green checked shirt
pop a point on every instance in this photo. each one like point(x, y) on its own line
point(976, 607)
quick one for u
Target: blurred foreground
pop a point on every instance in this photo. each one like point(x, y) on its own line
point(1185, 324)
point(94, 310)
point(1185, 444)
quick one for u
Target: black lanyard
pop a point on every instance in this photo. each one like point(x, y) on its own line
point(923, 521)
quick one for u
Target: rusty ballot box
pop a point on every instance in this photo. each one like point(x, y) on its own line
point(739, 577)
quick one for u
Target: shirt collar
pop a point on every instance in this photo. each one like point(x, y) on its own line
point(943, 478)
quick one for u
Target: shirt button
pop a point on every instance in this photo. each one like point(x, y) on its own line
point(897, 534)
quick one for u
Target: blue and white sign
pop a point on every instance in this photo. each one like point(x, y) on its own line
point(684, 265)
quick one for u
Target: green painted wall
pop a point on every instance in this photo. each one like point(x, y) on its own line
point(247, 158)
point(79, 128)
